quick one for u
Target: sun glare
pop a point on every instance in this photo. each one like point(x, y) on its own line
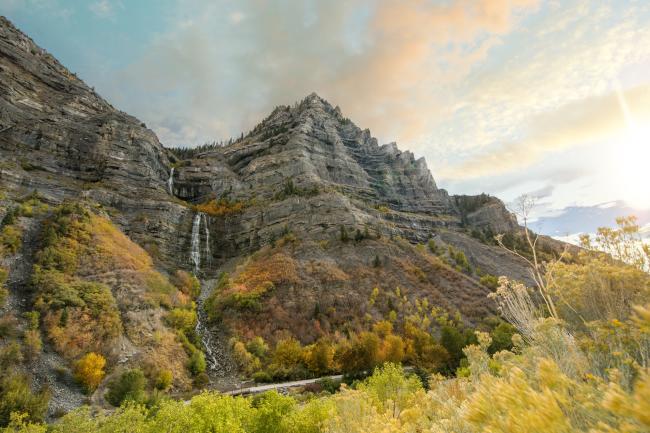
point(633, 166)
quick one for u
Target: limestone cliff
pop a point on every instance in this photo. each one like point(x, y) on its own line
point(306, 198)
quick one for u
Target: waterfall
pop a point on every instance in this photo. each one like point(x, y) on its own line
point(207, 238)
point(195, 250)
point(170, 182)
point(202, 329)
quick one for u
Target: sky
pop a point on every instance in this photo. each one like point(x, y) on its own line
point(549, 98)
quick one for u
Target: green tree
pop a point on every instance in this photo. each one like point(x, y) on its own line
point(272, 408)
point(129, 386)
point(390, 389)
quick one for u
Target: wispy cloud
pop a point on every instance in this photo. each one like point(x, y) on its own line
point(573, 124)
point(503, 96)
point(388, 76)
point(52, 7)
point(104, 8)
point(236, 17)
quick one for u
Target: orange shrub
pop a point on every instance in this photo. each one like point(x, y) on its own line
point(220, 207)
point(278, 268)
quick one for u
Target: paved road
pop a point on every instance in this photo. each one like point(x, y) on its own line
point(283, 385)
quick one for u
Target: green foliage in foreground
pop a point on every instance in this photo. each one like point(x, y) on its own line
point(512, 392)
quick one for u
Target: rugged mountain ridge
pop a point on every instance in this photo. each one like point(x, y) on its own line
point(340, 177)
point(307, 213)
point(62, 139)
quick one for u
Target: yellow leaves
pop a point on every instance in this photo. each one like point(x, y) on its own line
point(642, 318)
point(89, 370)
point(616, 323)
point(115, 249)
point(632, 409)
point(319, 357)
point(355, 414)
point(512, 405)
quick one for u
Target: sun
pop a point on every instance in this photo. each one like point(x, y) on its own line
point(633, 166)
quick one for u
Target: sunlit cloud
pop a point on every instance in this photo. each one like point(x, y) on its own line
point(499, 96)
point(387, 78)
point(576, 123)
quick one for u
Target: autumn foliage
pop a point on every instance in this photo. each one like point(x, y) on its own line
point(89, 370)
point(220, 207)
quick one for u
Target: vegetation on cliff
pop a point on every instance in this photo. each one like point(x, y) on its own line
point(578, 367)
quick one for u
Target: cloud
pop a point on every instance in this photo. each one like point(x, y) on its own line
point(52, 7)
point(542, 193)
point(104, 8)
point(486, 90)
point(576, 123)
point(236, 17)
point(384, 62)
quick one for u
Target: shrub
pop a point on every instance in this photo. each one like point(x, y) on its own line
point(329, 385)
point(246, 361)
point(262, 377)
point(196, 363)
point(433, 247)
point(272, 408)
point(186, 283)
point(502, 337)
point(164, 380)
point(10, 217)
point(460, 259)
point(16, 396)
point(33, 318)
point(89, 371)
point(258, 347)
point(4, 293)
point(33, 343)
point(182, 319)
point(490, 281)
point(10, 239)
point(129, 386)
point(10, 355)
point(220, 207)
point(78, 316)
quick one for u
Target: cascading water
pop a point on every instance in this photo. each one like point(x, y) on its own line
point(203, 331)
point(195, 247)
point(170, 182)
point(219, 362)
point(207, 238)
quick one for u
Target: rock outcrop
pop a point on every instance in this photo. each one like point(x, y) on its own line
point(341, 202)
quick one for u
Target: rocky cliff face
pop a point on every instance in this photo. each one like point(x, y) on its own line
point(60, 138)
point(310, 168)
point(349, 211)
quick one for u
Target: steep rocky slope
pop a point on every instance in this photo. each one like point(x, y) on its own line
point(307, 213)
point(309, 169)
